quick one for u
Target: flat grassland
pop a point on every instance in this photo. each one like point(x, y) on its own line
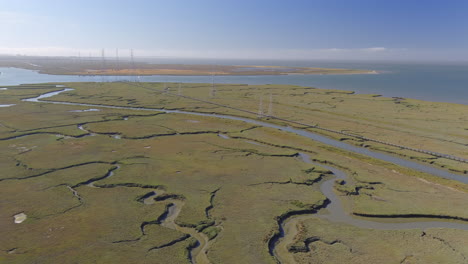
point(135, 186)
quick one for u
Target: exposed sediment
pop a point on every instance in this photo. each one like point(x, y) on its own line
point(47, 171)
point(173, 242)
point(131, 185)
point(90, 182)
point(425, 216)
point(211, 206)
point(306, 246)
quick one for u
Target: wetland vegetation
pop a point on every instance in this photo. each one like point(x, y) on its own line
point(123, 185)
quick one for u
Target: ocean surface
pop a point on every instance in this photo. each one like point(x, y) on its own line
point(438, 82)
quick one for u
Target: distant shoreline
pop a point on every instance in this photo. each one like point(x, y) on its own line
point(206, 74)
point(347, 73)
point(125, 68)
point(200, 70)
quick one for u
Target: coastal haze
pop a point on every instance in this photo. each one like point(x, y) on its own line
point(206, 132)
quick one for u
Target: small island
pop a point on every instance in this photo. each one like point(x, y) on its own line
point(106, 67)
point(193, 70)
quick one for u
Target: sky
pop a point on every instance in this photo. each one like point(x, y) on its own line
point(426, 30)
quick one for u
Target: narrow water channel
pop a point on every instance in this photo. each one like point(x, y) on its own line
point(198, 253)
point(335, 143)
point(336, 213)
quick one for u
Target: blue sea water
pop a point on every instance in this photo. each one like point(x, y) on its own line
point(438, 82)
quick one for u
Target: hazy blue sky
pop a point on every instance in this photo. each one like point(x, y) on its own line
point(294, 29)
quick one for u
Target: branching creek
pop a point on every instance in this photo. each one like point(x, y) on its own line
point(278, 244)
point(336, 213)
point(196, 253)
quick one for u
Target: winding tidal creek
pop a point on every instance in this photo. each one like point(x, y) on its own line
point(288, 227)
point(336, 213)
point(304, 133)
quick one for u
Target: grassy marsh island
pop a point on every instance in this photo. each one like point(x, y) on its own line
point(115, 180)
point(78, 66)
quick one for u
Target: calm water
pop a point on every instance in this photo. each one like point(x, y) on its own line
point(431, 82)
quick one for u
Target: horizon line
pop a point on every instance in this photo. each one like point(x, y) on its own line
point(460, 60)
